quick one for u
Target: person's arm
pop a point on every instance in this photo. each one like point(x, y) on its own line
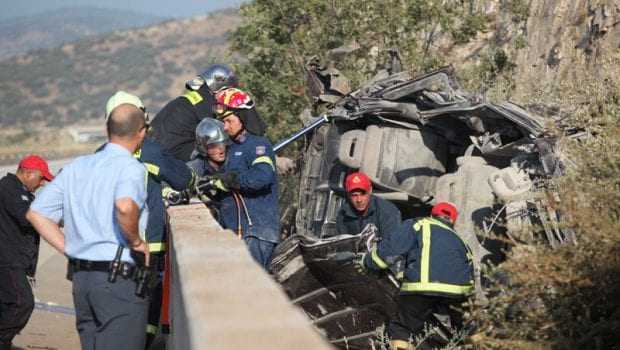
point(48, 229)
point(165, 166)
point(391, 246)
point(46, 212)
point(390, 218)
point(129, 198)
point(262, 171)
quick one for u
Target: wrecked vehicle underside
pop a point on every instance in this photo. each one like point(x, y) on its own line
point(421, 141)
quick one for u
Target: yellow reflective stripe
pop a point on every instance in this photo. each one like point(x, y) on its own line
point(157, 247)
point(400, 275)
point(137, 154)
point(264, 159)
point(439, 223)
point(152, 168)
point(435, 287)
point(426, 252)
point(220, 185)
point(377, 259)
point(151, 329)
point(193, 97)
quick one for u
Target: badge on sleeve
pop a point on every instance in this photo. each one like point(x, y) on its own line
point(260, 150)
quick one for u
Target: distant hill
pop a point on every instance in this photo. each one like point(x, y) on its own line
point(64, 85)
point(51, 29)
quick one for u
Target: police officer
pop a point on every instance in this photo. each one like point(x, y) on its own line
point(19, 249)
point(363, 208)
point(438, 270)
point(251, 206)
point(161, 167)
point(101, 200)
point(174, 126)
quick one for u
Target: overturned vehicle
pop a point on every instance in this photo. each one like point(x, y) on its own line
point(420, 140)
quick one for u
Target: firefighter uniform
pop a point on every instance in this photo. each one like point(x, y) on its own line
point(18, 258)
point(438, 270)
point(174, 127)
point(252, 210)
point(161, 166)
point(381, 213)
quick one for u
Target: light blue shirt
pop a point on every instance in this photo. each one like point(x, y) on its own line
point(83, 195)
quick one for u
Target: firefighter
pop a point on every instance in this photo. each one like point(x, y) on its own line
point(363, 208)
point(250, 207)
point(438, 271)
point(174, 126)
point(19, 250)
point(161, 166)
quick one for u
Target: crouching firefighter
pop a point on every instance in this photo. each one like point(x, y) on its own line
point(248, 177)
point(438, 272)
point(161, 167)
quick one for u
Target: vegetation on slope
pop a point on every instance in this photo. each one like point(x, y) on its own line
point(541, 298)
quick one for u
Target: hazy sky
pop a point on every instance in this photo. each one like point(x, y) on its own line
point(163, 8)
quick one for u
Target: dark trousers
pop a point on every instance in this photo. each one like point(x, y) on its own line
point(416, 310)
point(260, 250)
point(16, 303)
point(109, 316)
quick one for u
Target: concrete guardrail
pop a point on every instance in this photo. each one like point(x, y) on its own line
point(221, 299)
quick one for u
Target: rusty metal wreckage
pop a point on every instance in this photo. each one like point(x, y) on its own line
point(421, 140)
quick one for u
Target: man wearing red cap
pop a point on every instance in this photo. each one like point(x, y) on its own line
point(19, 250)
point(438, 272)
point(363, 208)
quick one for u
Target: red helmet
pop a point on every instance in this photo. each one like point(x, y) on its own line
point(357, 181)
point(230, 99)
point(445, 209)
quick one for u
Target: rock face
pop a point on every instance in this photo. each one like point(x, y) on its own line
point(563, 36)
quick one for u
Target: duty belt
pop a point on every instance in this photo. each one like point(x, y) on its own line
point(126, 270)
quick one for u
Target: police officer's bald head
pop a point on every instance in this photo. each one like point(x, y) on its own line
point(125, 121)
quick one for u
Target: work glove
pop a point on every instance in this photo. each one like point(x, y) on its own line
point(359, 265)
point(173, 197)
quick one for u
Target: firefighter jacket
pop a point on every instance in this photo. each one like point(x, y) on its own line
point(254, 207)
point(436, 260)
point(381, 213)
point(174, 127)
point(161, 166)
point(20, 241)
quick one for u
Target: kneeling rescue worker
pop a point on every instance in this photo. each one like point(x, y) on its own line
point(438, 271)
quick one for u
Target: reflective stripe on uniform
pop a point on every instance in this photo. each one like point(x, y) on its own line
point(156, 247)
point(425, 285)
point(193, 97)
point(151, 329)
point(152, 168)
point(435, 287)
point(264, 159)
point(377, 259)
point(426, 252)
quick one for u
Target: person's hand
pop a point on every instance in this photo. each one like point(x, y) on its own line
point(359, 265)
point(173, 197)
point(141, 247)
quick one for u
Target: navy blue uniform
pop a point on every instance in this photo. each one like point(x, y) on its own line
point(438, 271)
point(161, 166)
point(381, 213)
point(174, 127)
point(253, 159)
point(19, 251)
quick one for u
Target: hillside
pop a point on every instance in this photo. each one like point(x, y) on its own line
point(71, 83)
point(53, 28)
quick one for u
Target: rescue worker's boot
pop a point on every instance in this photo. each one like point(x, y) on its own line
point(398, 344)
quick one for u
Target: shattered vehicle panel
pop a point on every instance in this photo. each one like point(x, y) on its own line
point(421, 141)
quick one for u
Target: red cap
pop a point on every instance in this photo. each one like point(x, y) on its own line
point(445, 209)
point(37, 163)
point(357, 181)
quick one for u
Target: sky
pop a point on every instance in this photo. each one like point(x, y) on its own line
point(163, 8)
